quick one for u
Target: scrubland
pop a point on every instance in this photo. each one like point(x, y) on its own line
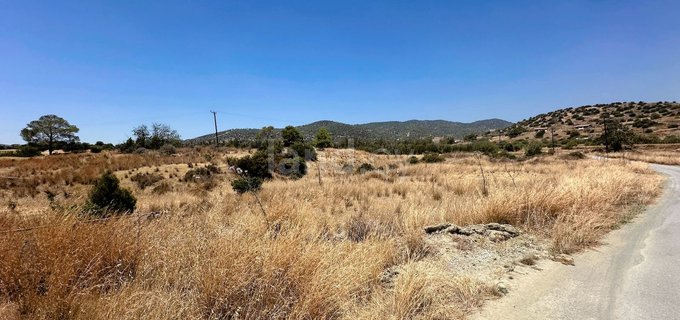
point(314, 250)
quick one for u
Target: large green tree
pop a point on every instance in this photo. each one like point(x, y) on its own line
point(48, 130)
point(291, 136)
point(159, 135)
point(615, 135)
point(323, 139)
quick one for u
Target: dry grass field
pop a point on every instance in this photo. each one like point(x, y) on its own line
point(312, 251)
point(669, 157)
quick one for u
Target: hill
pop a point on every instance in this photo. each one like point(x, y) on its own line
point(392, 130)
point(655, 120)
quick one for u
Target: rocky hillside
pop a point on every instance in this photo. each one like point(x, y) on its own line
point(659, 119)
point(393, 130)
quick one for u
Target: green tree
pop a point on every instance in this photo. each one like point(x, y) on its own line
point(616, 135)
point(142, 136)
point(291, 135)
point(162, 134)
point(323, 139)
point(48, 130)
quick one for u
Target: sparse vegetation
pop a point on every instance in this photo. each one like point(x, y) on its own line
point(433, 158)
point(354, 248)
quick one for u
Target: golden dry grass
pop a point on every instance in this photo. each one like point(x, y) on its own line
point(669, 157)
point(212, 255)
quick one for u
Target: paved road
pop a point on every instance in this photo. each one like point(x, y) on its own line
point(636, 275)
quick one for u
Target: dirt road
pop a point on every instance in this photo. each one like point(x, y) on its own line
point(634, 275)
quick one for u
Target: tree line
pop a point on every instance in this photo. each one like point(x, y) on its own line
point(51, 132)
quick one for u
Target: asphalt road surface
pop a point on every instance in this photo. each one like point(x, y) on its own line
point(634, 275)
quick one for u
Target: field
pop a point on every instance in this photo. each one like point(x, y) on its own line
point(668, 154)
point(342, 245)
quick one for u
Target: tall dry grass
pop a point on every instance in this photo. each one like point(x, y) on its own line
point(322, 250)
point(668, 157)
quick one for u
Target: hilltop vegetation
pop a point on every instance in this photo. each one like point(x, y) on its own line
point(649, 122)
point(393, 130)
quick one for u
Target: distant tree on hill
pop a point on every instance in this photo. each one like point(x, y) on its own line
point(470, 137)
point(515, 131)
point(323, 139)
point(48, 130)
point(291, 135)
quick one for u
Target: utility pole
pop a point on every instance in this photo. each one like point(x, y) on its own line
point(217, 139)
point(552, 137)
point(606, 136)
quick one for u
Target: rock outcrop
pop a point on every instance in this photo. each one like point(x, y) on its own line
point(494, 231)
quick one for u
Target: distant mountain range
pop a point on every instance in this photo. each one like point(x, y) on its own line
point(392, 130)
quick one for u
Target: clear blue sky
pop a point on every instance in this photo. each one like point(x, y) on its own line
point(108, 66)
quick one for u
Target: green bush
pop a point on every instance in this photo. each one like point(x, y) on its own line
point(303, 150)
point(256, 165)
point(413, 160)
point(433, 158)
point(246, 184)
point(533, 149)
point(27, 151)
point(107, 197)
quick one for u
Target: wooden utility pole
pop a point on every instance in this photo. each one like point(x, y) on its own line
point(606, 136)
point(552, 137)
point(217, 139)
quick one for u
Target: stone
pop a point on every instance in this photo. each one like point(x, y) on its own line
point(502, 288)
point(564, 259)
point(504, 228)
point(437, 228)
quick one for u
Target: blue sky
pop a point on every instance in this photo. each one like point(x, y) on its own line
point(107, 66)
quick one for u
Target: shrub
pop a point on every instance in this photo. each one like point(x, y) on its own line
point(108, 197)
point(246, 184)
point(575, 156)
point(162, 188)
point(672, 126)
point(303, 150)
point(533, 149)
point(168, 149)
point(540, 134)
point(27, 151)
point(365, 167)
point(201, 173)
point(433, 158)
point(515, 131)
point(570, 144)
point(144, 180)
point(256, 165)
point(413, 160)
point(292, 167)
